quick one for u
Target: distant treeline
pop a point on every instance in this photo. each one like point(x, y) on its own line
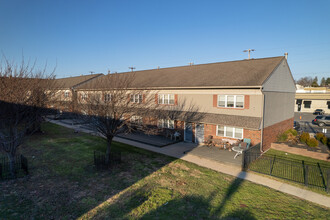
point(313, 82)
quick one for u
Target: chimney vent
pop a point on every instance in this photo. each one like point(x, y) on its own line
point(158, 67)
point(286, 55)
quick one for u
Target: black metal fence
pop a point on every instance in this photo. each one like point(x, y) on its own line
point(20, 167)
point(100, 162)
point(250, 155)
point(307, 173)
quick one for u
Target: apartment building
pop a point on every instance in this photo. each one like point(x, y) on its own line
point(234, 100)
point(64, 95)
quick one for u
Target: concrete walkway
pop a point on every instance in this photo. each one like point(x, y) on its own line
point(178, 151)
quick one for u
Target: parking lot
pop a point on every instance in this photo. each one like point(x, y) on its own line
point(305, 121)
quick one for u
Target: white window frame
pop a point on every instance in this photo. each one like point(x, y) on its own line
point(135, 98)
point(163, 97)
point(84, 96)
point(165, 123)
point(135, 119)
point(226, 101)
point(107, 97)
point(234, 131)
point(66, 94)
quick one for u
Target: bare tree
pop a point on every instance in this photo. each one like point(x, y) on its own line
point(305, 81)
point(109, 105)
point(23, 100)
point(112, 106)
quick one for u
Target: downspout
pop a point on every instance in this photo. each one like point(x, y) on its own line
point(262, 120)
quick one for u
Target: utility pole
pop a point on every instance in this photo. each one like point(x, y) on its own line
point(249, 50)
point(131, 68)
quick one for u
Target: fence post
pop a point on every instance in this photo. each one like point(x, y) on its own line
point(328, 180)
point(243, 161)
point(321, 174)
point(270, 166)
point(306, 175)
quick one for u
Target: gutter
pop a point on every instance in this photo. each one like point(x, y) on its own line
point(262, 120)
point(184, 87)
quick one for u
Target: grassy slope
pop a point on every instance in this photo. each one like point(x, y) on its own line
point(63, 184)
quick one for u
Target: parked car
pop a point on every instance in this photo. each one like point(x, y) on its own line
point(296, 125)
point(322, 120)
point(318, 112)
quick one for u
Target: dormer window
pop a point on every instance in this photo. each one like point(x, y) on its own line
point(66, 94)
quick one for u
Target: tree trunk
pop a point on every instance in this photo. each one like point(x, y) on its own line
point(108, 152)
point(12, 165)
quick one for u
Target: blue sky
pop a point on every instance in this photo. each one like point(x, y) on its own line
point(82, 36)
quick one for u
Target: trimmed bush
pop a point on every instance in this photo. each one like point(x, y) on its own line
point(282, 137)
point(319, 136)
point(293, 132)
point(324, 140)
point(304, 137)
point(313, 142)
point(292, 139)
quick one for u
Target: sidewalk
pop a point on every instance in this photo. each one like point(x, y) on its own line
point(177, 151)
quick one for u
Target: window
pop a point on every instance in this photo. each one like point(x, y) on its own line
point(84, 96)
point(166, 123)
point(66, 94)
point(136, 98)
point(107, 97)
point(167, 99)
point(307, 104)
point(232, 132)
point(231, 101)
point(136, 120)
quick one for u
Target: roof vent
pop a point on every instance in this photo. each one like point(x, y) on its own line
point(286, 55)
point(158, 67)
point(191, 64)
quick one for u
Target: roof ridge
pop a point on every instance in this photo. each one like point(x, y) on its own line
point(231, 61)
point(81, 76)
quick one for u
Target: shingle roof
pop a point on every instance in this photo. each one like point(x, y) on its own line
point(243, 73)
point(231, 120)
point(70, 82)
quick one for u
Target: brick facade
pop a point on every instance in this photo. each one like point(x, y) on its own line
point(254, 135)
point(271, 132)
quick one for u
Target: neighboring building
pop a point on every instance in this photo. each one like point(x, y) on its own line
point(239, 99)
point(64, 88)
point(311, 98)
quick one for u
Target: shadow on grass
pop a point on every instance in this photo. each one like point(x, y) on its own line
point(63, 183)
point(165, 203)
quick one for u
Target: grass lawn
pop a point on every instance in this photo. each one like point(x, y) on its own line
point(64, 185)
point(290, 167)
point(296, 157)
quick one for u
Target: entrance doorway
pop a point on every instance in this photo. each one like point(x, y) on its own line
point(199, 133)
point(188, 132)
